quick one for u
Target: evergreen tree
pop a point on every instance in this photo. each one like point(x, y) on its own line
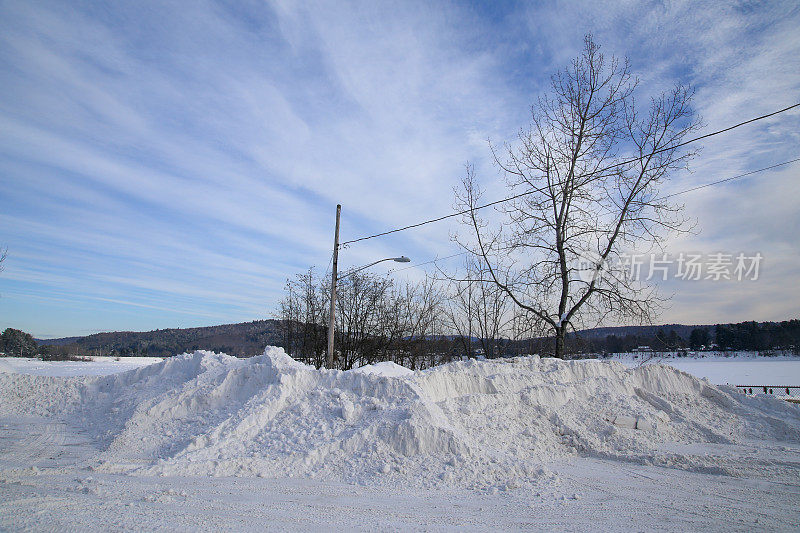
point(16, 343)
point(698, 338)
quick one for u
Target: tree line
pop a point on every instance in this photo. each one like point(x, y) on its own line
point(242, 340)
point(743, 336)
point(439, 338)
point(436, 320)
point(17, 343)
point(415, 324)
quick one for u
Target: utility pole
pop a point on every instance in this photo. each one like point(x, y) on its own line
point(469, 315)
point(331, 320)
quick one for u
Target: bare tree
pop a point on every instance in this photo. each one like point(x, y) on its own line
point(376, 321)
point(303, 315)
point(460, 313)
point(586, 176)
point(492, 317)
point(477, 308)
point(525, 330)
point(360, 298)
point(421, 304)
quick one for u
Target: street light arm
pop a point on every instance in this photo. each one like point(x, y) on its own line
point(401, 259)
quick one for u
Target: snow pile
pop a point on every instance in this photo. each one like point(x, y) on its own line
point(385, 368)
point(475, 424)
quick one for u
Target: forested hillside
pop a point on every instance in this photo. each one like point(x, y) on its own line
point(250, 338)
point(244, 339)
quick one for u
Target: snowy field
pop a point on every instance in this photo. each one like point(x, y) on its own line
point(743, 368)
point(742, 371)
point(206, 441)
point(98, 366)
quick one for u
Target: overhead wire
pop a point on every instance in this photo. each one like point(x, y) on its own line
point(466, 211)
point(663, 198)
point(731, 178)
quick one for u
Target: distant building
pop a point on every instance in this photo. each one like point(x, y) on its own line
point(641, 349)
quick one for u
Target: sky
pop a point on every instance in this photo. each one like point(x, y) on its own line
point(171, 164)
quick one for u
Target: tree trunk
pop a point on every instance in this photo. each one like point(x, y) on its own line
point(560, 334)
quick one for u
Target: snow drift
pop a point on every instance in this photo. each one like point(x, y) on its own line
point(473, 423)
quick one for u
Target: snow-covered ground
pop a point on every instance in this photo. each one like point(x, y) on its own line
point(741, 368)
point(97, 366)
point(744, 368)
point(207, 441)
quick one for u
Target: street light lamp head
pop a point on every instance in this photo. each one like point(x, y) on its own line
point(401, 259)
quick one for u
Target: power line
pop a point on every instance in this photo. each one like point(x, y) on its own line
point(663, 198)
point(330, 262)
point(684, 143)
point(451, 215)
point(731, 178)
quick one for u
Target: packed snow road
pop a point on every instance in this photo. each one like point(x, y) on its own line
point(208, 441)
point(592, 495)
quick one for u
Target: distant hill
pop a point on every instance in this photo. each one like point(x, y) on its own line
point(250, 338)
point(62, 341)
point(682, 330)
point(244, 339)
point(752, 336)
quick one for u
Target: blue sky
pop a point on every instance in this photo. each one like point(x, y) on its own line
point(170, 164)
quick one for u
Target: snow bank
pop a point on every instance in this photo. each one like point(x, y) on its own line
point(474, 423)
point(385, 368)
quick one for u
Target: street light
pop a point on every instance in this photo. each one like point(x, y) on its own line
point(401, 259)
point(334, 279)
